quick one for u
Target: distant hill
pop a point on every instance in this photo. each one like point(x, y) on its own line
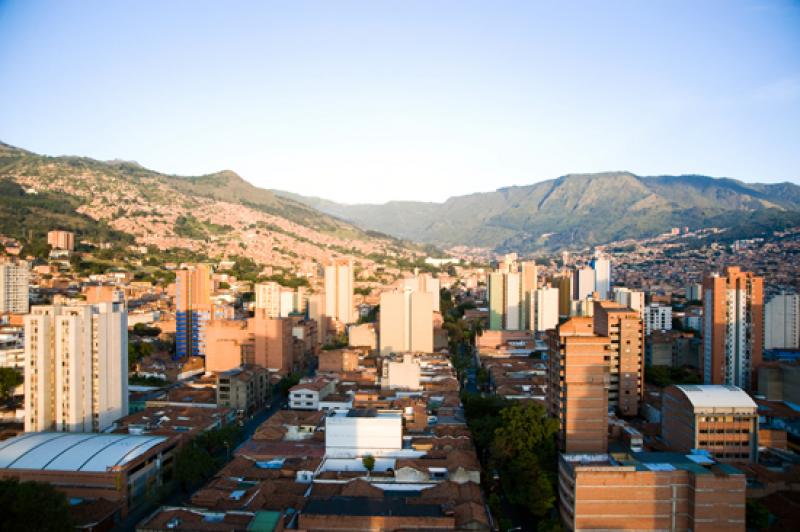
point(218, 214)
point(579, 210)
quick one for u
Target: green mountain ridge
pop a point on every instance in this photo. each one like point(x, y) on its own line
point(578, 210)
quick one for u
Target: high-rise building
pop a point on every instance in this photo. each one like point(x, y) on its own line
point(406, 322)
point(694, 292)
point(61, 240)
point(510, 290)
point(583, 283)
point(625, 331)
point(545, 308)
point(273, 343)
point(602, 276)
point(425, 282)
point(339, 290)
point(316, 312)
point(14, 287)
point(193, 310)
point(782, 322)
point(734, 327)
point(633, 299)
point(577, 388)
point(657, 317)
point(268, 298)
point(76, 375)
point(564, 283)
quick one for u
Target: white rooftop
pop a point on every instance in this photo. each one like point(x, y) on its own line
point(71, 451)
point(716, 396)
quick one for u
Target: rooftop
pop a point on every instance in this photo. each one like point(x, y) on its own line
point(63, 451)
point(716, 395)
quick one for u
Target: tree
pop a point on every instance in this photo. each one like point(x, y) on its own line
point(369, 463)
point(524, 451)
point(193, 465)
point(10, 378)
point(33, 506)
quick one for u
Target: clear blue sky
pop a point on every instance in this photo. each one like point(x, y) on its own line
point(372, 101)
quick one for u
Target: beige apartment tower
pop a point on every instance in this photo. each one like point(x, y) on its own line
point(61, 240)
point(76, 371)
point(406, 322)
point(339, 290)
point(268, 298)
point(14, 287)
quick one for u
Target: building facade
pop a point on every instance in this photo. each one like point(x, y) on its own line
point(658, 317)
point(406, 322)
point(193, 310)
point(14, 287)
point(339, 290)
point(782, 322)
point(734, 327)
point(76, 374)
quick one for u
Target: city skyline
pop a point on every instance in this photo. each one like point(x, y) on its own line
point(492, 98)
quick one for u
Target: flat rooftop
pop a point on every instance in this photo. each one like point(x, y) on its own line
point(652, 461)
point(70, 451)
point(362, 506)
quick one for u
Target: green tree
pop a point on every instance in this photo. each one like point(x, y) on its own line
point(369, 463)
point(193, 465)
point(757, 515)
point(524, 451)
point(10, 378)
point(33, 506)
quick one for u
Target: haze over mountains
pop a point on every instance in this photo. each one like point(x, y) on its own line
point(578, 210)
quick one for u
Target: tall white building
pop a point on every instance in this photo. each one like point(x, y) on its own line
point(406, 322)
point(602, 276)
point(633, 299)
point(657, 317)
point(339, 290)
point(782, 322)
point(14, 287)
point(545, 308)
point(268, 297)
point(76, 375)
point(583, 283)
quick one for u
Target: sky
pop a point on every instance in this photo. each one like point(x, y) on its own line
point(400, 100)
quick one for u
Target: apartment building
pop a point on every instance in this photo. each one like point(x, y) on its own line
point(193, 309)
point(406, 322)
point(782, 322)
point(339, 290)
point(61, 240)
point(544, 308)
point(245, 389)
point(733, 339)
point(14, 287)
point(578, 380)
point(76, 374)
point(657, 317)
point(719, 419)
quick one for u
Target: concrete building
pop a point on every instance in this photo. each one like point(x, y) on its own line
point(15, 287)
point(657, 317)
point(425, 282)
point(193, 309)
point(402, 374)
point(228, 343)
point(583, 283)
point(245, 389)
point(307, 395)
point(577, 387)
point(406, 322)
point(76, 377)
point(338, 361)
point(268, 298)
point(694, 292)
point(563, 282)
point(363, 335)
point(315, 309)
point(782, 322)
point(734, 327)
point(497, 297)
point(273, 341)
point(545, 308)
point(602, 276)
point(719, 419)
point(633, 299)
point(61, 240)
point(510, 295)
point(780, 381)
point(339, 290)
point(624, 328)
point(650, 491)
point(361, 432)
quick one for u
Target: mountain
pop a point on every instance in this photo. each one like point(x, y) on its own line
point(213, 215)
point(579, 210)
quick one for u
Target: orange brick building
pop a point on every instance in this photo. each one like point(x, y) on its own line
point(578, 362)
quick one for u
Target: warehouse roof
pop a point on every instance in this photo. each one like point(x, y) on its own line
point(64, 451)
point(716, 396)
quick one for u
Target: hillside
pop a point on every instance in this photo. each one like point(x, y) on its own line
point(214, 215)
point(579, 210)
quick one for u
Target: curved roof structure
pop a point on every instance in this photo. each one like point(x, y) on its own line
point(71, 451)
point(716, 396)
